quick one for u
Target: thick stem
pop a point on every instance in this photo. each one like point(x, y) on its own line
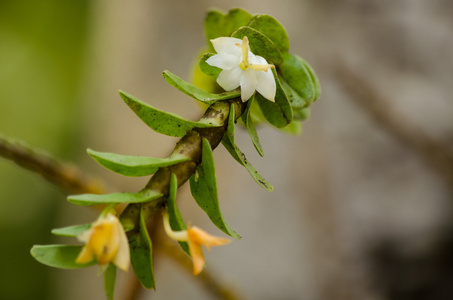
point(189, 146)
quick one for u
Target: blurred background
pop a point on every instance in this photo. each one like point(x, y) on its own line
point(362, 200)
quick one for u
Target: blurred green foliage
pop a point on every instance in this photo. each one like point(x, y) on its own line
point(42, 49)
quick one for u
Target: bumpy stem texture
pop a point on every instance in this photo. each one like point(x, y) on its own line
point(189, 146)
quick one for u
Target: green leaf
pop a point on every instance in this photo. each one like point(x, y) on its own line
point(295, 73)
point(93, 199)
point(72, 231)
point(159, 121)
point(294, 99)
point(213, 26)
point(198, 94)
point(295, 128)
point(278, 113)
point(200, 79)
point(207, 68)
point(134, 165)
point(248, 121)
point(228, 142)
point(204, 190)
point(176, 221)
point(271, 28)
point(301, 113)
point(142, 255)
point(59, 256)
point(260, 44)
point(235, 19)
point(109, 281)
point(314, 79)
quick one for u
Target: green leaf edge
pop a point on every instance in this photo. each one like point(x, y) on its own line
point(109, 281)
point(278, 31)
point(94, 199)
point(173, 124)
point(41, 254)
point(206, 173)
point(176, 220)
point(228, 143)
point(249, 124)
point(125, 165)
point(268, 108)
point(146, 279)
point(197, 93)
point(71, 231)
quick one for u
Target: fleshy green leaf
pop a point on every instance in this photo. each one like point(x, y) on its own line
point(294, 99)
point(278, 113)
point(176, 221)
point(248, 121)
point(301, 113)
point(260, 44)
point(72, 231)
point(159, 121)
point(109, 281)
point(314, 79)
point(198, 94)
point(134, 165)
point(207, 68)
point(142, 255)
point(298, 77)
point(200, 79)
point(295, 128)
point(204, 190)
point(228, 142)
point(213, 26)
point(271, 28)
point(235, 19)
point(93, 199)
point(59, 256)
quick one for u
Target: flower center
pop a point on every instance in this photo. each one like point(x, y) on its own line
point(244, 65)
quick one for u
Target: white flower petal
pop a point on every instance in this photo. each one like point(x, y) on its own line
point(266, 84)
point(248, 84)
point(227, 45)
point(230, 79)
point(223, 61)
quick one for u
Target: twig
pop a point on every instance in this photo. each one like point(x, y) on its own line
point(65, 175)
point(189, 146)
point(437, 155)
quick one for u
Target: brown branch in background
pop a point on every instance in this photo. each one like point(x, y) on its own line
point(437, 154)
point(64, 175)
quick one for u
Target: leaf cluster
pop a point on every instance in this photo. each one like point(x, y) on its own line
point(297, 87)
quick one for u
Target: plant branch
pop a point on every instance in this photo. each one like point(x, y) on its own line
point(190, 146)
point(67, 176)
point(437, 155)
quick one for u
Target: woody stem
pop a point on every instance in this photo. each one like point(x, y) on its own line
point(189, 146)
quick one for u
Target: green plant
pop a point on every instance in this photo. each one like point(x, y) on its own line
point(252, 78)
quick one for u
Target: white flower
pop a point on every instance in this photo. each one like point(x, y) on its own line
point(107, 242)
point(240, 67)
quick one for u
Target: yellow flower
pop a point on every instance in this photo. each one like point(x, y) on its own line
point(195, 237)
point(107, 242)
